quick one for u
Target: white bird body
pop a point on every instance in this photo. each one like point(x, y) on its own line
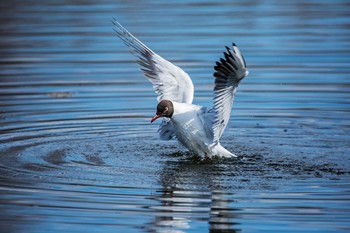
point(191, 128)
point(197, 128)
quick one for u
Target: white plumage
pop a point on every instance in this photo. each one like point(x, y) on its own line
point(197, 128)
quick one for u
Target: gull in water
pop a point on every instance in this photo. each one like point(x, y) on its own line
point(197, 128)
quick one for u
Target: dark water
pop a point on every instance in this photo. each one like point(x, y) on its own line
point(77, 151)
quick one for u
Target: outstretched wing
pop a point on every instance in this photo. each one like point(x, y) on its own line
point(228, 74)
point(169, 81)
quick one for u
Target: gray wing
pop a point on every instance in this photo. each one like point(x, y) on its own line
point(169, 81)
point(228, 74)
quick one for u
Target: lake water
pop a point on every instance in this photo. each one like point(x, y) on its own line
point(77, 151)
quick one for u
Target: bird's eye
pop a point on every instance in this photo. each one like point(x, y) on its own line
point(165, 111)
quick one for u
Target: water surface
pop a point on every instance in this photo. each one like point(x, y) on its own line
point(77, 151)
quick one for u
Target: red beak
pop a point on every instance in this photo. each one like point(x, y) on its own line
point(155, 118)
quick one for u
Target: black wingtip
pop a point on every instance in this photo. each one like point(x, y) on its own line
point(234, 45)
point(223, 62)
point(114, 20)
point(115, 23)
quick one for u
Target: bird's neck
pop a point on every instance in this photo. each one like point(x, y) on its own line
point(180, 108)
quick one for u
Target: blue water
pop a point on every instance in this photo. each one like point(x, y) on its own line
point(77, 151)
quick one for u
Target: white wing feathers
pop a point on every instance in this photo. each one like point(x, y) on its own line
point(228, 74)
point(169, 81)
point(172, 83)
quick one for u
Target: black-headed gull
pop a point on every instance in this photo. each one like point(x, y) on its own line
point(197, 128)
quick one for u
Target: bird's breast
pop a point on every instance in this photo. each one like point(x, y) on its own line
point(190, 132)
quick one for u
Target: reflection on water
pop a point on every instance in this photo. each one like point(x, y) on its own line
point(77, 152)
